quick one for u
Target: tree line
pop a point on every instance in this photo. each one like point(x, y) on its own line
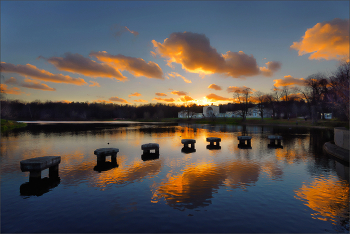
point(321, 94)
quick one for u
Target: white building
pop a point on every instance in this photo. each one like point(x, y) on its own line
point(211, 111)
point(214, 111)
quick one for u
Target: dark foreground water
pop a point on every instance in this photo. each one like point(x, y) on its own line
point(296, 188)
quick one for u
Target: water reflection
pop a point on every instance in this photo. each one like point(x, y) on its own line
point(299, 174)
point(328, 198)
point(188, 150)
point(38, 188)
point(105, 166)
point(213, 147)
point(149, 156)
point(194, 187)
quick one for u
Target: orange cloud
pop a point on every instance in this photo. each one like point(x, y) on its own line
point(64, 101)
point(186, 99)
point(327, 40)
point(132, 32)
point(94, 83)
point(136, 66)
point(161, 94)
point(164, 99)
point(14, 90)
point(116, 99)
point(28, 83)
point(194, 52)
point(140, 100)
point(35, 73)
point(214, 86)
point(11, 80)
point(32, 84)
point(271, 68)
point(243, 89)
point(136, 94)
point(214, 98)
point(77, 63)
point(102, 101)
point(123, 29)
point(289, 81)
point(179, 93)
point(174, 74)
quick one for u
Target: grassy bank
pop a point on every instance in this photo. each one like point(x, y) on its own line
point(7, 125)
point(269, 121)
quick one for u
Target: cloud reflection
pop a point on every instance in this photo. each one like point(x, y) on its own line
point(328, 197)
point(195, 186)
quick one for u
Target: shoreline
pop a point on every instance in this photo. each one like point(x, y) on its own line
point(322, 124)
point(336, 151)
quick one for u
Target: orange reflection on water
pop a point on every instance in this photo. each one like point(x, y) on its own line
point(328, 197)
point(272, 169)
point(124, 174)
point(291, 155)
point(192, 188)
point(196, 184)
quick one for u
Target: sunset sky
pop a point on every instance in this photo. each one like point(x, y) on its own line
point(165, 51)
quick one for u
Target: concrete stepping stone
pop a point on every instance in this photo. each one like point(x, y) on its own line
point(101, 154)
point(150, 146)
point(186, 142)
point(36, 165)
point(213, 140)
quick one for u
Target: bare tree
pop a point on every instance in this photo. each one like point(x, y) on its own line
point(242, 95)
point(261, 99)
point(314, 93)
point(339, 85)
point(276, 97)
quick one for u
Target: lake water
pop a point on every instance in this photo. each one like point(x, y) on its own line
point(260, 189)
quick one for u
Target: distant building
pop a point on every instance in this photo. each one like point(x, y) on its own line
point(214, 112)
point(327, 115)
point(211, 111)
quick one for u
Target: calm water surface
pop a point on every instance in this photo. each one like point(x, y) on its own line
point(296, 188)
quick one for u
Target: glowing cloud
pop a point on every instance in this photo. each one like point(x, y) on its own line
point(214, 98)
point(271, 68)
point(11, 80)
point(64, 101)
point(179, 93)
point(243, 89)
point(136, 94)
point(161, 94)
point(214, 86)
point(186, 99)
point(77, 63)
point(35, 73)
point(136, 66)
point(116, 99)
point(327, 40)
point(32, 84)
point(194, 52)
point(140, 100)
point(289, 81)
point(28, 83)
point(164, 99)
point(102, 101)
point(174, 74)
point(123, 29)
point(94, 83)
point(14, 90)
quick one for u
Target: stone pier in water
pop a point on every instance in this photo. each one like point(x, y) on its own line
point(242, 140)
point(36, 165)
point(150, 146)
point(103, 152)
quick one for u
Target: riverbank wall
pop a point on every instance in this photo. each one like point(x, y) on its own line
point(340, 148)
